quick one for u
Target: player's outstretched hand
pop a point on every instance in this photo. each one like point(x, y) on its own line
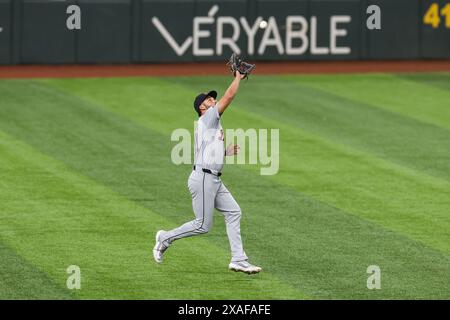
point(239, 75)
point(232, 150)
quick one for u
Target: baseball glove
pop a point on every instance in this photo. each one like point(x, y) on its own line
point(236, 63)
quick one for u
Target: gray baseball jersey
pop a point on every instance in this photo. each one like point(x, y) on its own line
point(208, 191)
point(209, 151)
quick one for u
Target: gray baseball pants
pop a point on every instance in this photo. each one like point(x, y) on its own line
point(208, 192)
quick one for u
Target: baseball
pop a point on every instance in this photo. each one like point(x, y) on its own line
point(263, 24)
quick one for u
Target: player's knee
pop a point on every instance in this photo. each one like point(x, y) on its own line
point(233, 215)
point(206, 227)
point(237, 212)
point(202, 227)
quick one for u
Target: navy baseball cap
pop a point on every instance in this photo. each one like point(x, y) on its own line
point(201, 97)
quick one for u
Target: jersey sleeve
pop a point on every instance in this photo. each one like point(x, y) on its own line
point(211, 117)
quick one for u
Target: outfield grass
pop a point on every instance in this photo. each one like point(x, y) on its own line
point(87, 180)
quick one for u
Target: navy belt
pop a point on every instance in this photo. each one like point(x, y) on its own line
point(210, 172)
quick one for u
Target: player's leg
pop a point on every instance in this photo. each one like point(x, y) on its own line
point(228, 206)
point(203, 188)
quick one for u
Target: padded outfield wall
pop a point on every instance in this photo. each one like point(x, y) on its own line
point(139, 31)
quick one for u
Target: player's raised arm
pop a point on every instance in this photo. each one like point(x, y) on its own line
point(241, 70)
point(229, 95)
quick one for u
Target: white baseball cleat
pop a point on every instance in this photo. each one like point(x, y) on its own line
point(159, 248)
point(244, 266)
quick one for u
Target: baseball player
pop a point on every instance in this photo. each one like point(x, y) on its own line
point(206, 187)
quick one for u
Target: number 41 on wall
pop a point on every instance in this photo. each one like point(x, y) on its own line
point(433, 18)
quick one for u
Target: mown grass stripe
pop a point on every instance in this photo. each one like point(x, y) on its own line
point(421, 97)
point(413, 203)
point(385, 134)
point(301, 227)
point(20, 279)
point(398, 198)
point(438, 80)
point(74, 220)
